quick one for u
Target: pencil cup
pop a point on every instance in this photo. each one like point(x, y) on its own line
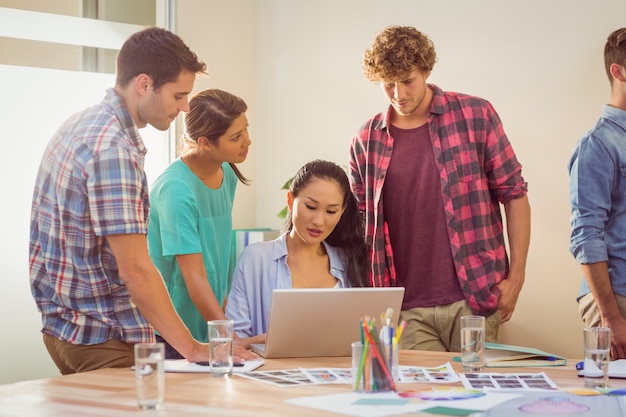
point(220, 347)
point(374, 367)
point(472, 343)
point(597, 344)
point(150, 375)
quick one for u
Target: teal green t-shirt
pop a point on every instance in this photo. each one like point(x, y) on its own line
point(188, 217)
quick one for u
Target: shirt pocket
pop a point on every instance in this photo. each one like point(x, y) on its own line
point(467, 163)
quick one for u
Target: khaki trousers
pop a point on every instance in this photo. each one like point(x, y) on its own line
point(71, 358)
point(590, 313)
point(439, 328)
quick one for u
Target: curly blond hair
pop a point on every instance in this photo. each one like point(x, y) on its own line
point(396, 52)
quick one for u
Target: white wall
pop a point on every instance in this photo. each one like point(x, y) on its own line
point(223, 34)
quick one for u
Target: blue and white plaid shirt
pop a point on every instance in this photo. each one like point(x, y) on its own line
point(91, 183)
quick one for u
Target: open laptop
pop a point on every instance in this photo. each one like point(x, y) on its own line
point(307, 322)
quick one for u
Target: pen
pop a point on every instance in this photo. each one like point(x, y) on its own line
point(391, 339)
point(207, 363)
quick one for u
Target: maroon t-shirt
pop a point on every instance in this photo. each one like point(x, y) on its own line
point(413, 209)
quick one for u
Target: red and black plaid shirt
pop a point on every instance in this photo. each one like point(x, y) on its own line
point(478, 171)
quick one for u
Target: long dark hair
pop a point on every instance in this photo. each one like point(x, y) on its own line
point(349, 233)
point(211, 113)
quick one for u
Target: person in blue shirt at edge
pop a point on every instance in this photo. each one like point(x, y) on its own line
point(322, 246)
point(191, 212)
point(598, 200)
point(90, 272)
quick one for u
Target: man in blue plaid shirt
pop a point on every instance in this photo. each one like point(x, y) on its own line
point(90, 272)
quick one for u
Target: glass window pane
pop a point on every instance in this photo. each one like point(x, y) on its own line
point(28, 53)
point(136, 12)
point(36, 53)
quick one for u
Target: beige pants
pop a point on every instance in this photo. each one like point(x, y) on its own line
point(590, 313)
point(71, 358)
point(439, 328)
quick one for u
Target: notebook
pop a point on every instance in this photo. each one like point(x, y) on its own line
point(500, 356)
point(309, 322)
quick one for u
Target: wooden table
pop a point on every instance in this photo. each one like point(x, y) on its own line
point(111, 392)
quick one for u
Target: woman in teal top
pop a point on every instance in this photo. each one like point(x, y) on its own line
point(189, 233)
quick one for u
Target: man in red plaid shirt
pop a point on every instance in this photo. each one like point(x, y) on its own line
point(430, 174)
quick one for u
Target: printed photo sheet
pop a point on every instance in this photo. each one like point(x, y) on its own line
point(314, 376)
point(439, 375)
point(498, 381)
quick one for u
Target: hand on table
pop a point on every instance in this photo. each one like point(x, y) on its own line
point(240, 353)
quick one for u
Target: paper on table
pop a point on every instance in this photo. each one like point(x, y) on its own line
point(507, 381)
point(312, 376)
point(182, 365)
point(617, 369)
point(388, 404)
point(558, 403)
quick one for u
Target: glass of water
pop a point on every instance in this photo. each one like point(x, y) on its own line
point(597, 344)
point(150, 375)
point(472, 343)
point(220, 347)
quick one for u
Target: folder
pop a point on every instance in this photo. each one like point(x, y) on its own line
point(498, 355)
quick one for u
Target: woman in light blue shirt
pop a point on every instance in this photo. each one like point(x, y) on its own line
point(322, 246)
